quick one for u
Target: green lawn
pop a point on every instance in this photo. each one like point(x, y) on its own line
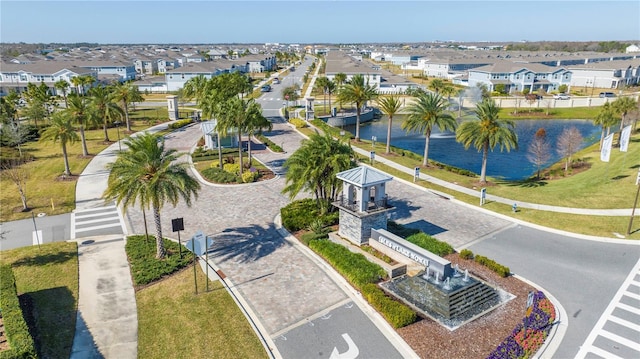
point(47, 279)
point(174, 322)
point(46, 191)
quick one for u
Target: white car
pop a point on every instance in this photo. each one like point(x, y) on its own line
point(561, 96)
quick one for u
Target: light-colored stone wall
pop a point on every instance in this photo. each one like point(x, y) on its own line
point(357, 229)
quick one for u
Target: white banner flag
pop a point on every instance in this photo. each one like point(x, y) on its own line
point(624, 138)
point(606, 148)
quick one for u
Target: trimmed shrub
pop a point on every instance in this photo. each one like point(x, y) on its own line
point(355, 267)
point(298, 123)
point(396, 313)
point(431, 244)
point(216, 175)
point(179, 124)
point(491, 264)
point(233, 168)
point(267, 142)
point(249, 177)
point(311, 236)
point(466, 254)
point(298, 215)
point(20, 341)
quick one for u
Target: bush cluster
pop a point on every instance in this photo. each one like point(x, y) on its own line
point(17, 331)
point(466, 254)
point(179, 124)
point(233, 168)
point(145, 268)
point(311, 236)
point(298, 215)
point(202, 154)
point(493, 265)
point(396, 313)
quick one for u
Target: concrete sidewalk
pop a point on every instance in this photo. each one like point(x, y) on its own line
point(107, 319)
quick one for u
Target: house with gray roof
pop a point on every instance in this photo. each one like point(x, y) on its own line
point(609, 74)
point(16, 77)
point(339, 62)
point(517, 76)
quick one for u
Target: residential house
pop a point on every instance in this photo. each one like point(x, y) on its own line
point(339, 62)
point(517, 76)
point(17, 76)
point(610, 74)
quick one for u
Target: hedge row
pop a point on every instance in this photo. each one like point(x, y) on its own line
point(493, 265)
point(396, 313)
point(179, 124)
point(298, 123)
point(431, 244)
point(355, 267)
point(267, 142)
point(20, 341)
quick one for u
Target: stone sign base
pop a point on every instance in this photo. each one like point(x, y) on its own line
point(356, 227)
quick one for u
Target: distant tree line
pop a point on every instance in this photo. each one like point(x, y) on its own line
point(601, 46)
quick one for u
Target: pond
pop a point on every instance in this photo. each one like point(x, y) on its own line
point(512, 165)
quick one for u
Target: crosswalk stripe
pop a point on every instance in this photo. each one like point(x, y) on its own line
point(625, 323)
point(93, 228)
point(82, 223)
point(632, 295)
point(603, 353)
point(628, 308)
point(618, 339)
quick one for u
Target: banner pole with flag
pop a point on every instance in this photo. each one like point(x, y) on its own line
point(605, 152)
point(625, 135)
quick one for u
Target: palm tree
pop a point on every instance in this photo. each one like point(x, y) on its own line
point(340, 78)
point(63, 86)
point(126, 93)
point(605, 118)
point(426, 112)
point(256, 123)
point(623, 106)
point(61, 128)
point(437, 85)
point(78, 110)
point(358, 92)
point(487, 132)
point(322, 83)
point(390, 107)
point(236, 112)
point(196, 87)
point(149, 173)
point(313, 167)
point(330, 88)
point(104, 108)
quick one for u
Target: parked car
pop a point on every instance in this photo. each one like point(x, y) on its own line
point(561, 96)
point(276, 80)
point(607, 94)
point(265, 88)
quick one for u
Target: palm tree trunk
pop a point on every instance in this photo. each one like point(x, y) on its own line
point(220, 152)
point(67, 170)
point(240, 150)
point(160, 252)
point(425, 161)
point(483, 171)
point(106, 134)
point(85, 151)
point(601, 139)
point(358, 122)
point(126, 115)
point(389, 134)
point(249, 148)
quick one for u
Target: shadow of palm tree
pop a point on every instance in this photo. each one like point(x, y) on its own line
point(528, 183)
point(403, 209)
point(46, 259)
point(246, 244)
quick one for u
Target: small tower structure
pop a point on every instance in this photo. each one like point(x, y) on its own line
point(363, 203)
point(172, 107)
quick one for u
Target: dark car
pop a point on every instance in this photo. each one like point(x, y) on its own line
point(265, 88)
point(607, 94)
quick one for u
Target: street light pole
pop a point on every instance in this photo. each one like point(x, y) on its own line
point(635, 203)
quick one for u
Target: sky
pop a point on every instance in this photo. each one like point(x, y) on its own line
point(320, 21)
